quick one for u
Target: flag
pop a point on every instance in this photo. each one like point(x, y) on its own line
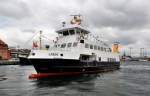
point(34, 45)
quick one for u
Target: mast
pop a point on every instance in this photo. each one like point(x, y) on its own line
point(40, 40)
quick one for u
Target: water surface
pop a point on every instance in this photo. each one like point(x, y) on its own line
point(133, 79)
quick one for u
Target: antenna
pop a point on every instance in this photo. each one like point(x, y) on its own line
point(63, 24)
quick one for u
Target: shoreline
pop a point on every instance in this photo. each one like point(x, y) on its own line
point(9, 62)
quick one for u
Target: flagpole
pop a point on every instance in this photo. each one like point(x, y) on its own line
point(40, 40)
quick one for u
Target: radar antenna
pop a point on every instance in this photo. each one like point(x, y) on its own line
point(76, 19)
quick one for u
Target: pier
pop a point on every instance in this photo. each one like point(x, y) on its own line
point(9, 62)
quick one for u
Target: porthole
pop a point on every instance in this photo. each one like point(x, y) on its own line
point(61, 54)
point(33, 54)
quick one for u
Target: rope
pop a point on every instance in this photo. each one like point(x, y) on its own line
point(29, 39)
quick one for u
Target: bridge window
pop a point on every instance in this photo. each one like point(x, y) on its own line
point(91, 46)
point(95, 47)
point(82, 32)
point(65, 33)
point(71, 32)
point(69, 45)
point(63, 45)
point(77, 31)
point(109, 49)
point(75, 44)
point(86, 45)
point(98, 48)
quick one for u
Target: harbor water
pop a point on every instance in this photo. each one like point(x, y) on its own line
point(133, 79)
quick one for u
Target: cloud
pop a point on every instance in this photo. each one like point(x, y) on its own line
point(122, 14)
point(126, 21)
point(14, 9)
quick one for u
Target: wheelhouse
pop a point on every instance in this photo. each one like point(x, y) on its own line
point(72, 31)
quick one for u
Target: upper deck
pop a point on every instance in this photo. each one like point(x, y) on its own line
point(76, 28)
point(75, 32)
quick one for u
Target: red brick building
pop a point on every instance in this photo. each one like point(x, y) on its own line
point(4, 51)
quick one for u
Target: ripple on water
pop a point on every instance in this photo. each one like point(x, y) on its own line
point(2, 78)
point(133, 79)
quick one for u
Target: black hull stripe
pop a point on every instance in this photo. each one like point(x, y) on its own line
point(24, 61)
point(65, 65)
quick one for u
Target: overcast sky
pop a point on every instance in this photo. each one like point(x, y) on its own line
point(125, 21)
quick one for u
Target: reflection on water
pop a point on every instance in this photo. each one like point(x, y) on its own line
point(133, 79)
point(64, 81)
point(2, 77)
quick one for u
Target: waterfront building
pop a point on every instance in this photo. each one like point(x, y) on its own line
point(4, 51)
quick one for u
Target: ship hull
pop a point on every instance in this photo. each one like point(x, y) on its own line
point(24, 61)
point(68, 66)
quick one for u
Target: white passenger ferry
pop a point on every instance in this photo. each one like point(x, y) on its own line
point(75, 52)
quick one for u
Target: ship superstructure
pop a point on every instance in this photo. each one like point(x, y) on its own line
point(75, 50)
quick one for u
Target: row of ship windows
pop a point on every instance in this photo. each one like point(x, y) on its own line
point(72, 32)
point(86, 46)
point(109, 59)
point(68, 45)
point(97, 48)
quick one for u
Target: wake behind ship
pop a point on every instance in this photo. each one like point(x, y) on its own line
point(75, 51)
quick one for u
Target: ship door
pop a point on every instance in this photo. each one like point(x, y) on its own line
point(84, 57)
point(88, 57)
point(93, 57)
